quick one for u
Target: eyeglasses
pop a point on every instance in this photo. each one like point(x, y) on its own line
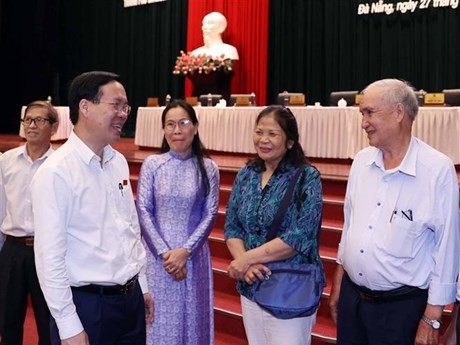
point(171, 125)
point(38, 121)
point(126, 108)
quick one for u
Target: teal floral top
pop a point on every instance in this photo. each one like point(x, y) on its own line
point(251, 210)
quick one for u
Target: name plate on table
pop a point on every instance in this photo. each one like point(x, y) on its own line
point(434, 99)
point(358, 98)
point(242, 101)
point(152, 102)
point(193, 101)
point(297, 100)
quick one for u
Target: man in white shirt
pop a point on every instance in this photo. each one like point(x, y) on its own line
point(398, 257)
point(89, 256)
point(18, 277)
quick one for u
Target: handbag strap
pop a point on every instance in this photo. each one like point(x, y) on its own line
point(283, 207)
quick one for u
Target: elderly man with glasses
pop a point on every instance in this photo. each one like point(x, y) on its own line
point(18, 277)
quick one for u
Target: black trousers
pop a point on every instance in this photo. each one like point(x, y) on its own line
point(361, 322)
point(18, 279)
point(109, 319)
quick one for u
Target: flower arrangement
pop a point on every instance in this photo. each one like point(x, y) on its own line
point(188, 64)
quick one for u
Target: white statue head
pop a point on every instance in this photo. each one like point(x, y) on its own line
point(213, 25)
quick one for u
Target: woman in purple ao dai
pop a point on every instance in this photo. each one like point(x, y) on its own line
point(177, 200)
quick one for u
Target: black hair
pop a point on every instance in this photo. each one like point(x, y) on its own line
point(288, 123)
point(198, 149)
point(87, 86)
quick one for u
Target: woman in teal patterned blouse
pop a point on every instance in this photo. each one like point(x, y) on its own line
point(256, 195)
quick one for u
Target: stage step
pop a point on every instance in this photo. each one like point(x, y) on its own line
point(226, 296)
point(227, 304)
point(229, 327)
point(228, 320)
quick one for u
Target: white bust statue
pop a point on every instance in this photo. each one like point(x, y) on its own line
point(214, 24)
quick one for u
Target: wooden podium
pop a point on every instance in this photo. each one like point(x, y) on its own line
point(218, 82)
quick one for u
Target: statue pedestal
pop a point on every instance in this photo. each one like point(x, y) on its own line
point(218, 82)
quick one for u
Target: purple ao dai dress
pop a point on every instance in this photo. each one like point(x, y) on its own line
point(174, 213)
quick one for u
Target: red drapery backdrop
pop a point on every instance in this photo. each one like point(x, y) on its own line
point(247, 30)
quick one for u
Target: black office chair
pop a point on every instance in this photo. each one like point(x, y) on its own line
point(213, 99)
point(452, 97)
point(349, 96)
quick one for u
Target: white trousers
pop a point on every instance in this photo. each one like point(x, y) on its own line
point(262, 328)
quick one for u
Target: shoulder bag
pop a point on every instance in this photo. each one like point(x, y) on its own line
point(291, 290)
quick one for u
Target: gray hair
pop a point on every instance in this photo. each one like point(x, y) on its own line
point(394, 91)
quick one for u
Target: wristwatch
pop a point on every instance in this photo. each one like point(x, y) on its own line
point(433, 323)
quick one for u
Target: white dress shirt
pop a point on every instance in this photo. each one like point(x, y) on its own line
point(16, 172)
point(401, 226)
point(86, 227)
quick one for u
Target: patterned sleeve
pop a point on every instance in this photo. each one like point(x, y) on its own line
point(233, 228)
point(209, 211)
point(303, 217)
point(146, 208)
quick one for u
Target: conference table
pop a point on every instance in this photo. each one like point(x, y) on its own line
point(325, 132)
point(65, 125)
